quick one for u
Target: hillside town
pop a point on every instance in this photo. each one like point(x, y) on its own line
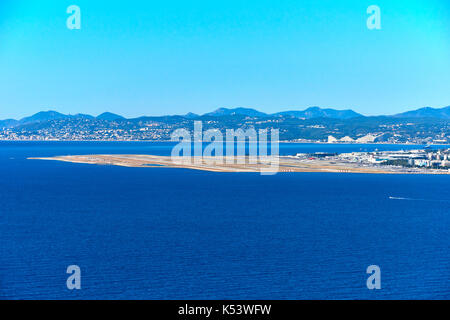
point(323, 126)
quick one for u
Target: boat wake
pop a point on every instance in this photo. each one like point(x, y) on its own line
point(415, 199)
point(399, 198)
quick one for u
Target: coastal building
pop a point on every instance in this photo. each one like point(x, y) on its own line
point(332, 139)
point(367, 139)
point(346, 139)
point(421, 162)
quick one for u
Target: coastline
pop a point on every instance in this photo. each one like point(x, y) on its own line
point(281, 142)
point(285, 164)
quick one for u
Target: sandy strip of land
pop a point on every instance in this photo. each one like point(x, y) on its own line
point(286, 164)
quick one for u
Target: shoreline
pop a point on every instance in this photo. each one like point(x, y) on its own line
point(212, 164)
point(280, 142)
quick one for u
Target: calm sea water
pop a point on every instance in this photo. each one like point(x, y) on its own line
point(159, 233)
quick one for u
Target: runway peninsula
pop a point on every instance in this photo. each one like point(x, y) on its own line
point(242, 164)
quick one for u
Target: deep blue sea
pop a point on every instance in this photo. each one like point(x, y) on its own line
point(162, 233)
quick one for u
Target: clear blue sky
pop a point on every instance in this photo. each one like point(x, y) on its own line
point(171, 57)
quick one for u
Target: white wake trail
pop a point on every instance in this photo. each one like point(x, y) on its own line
point(415, 199)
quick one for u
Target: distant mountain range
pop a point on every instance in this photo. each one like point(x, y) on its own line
point(236, 111)
point(422, 126)
point(316, 112)
point(309, 113)
point(44, 116)
point(443, 113)
point(110, 116)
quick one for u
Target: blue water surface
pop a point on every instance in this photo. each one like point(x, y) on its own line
point(162, 233)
